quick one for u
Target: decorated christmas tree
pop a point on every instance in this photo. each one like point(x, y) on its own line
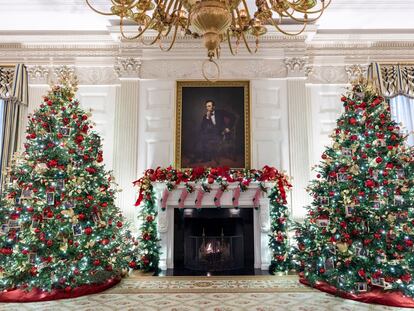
point(358, 234)
point(60, 228)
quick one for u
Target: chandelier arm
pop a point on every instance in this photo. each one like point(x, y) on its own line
point(121, 27)
point(288, 33)
point(158, 36)
point(170, 3)
point(246, 43)
point(172, 42)
point(230, 45)
point(307, 20)
point(134, 3)
point(99, 12)
point(311, 12)
point(246, 8)
point(290, 15)
point(286, 13)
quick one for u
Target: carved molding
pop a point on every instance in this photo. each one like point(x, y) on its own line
point(328, 75)
point(38, 74)
point(296, 66)
point(42, 74)
point(356, 71)
point(63, 71)
point(97, 75)
point(128, 67)
point(230, 68)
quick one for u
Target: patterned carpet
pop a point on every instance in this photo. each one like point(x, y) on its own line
point(235, 293)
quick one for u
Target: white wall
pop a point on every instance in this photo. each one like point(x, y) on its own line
point(326, 107)
point(100, 100)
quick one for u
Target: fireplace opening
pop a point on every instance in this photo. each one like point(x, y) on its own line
point(213, 240)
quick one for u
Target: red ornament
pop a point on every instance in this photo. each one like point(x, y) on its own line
point(33, 271)
point(378, 160)
point(352, 121)
point(369, 183)
point(119, 224)
point(132, 264)
point(88, 230)
point(361, 273)
point(150, 218)
point(81, 216)
point(79, 139)
point(49, 243)
point(96, 262)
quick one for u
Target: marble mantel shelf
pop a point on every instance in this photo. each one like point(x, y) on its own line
point(245, 200)
point(261, 218)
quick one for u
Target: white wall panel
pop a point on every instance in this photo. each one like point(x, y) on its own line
point(156, 124)
point(269, 132)
point(326, 107)
point(101, 100)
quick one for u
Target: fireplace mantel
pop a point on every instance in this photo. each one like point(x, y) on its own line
point(261, 218)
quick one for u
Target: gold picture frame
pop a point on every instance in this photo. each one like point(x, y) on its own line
point(195, 145)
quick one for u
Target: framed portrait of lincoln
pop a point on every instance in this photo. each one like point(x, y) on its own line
point(212, 124)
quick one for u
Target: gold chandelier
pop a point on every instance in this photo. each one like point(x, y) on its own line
point(215, 21)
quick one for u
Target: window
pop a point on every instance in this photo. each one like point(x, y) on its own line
point(402, 111)
point(1, 127)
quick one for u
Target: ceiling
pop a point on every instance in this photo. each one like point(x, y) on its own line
point(349, 16)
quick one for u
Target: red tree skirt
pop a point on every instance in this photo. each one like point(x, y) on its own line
point(377, 296)
point(36, 294)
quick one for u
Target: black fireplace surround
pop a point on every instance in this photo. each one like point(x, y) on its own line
point(216, 241)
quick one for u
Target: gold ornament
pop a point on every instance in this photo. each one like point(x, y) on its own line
point(342, 247)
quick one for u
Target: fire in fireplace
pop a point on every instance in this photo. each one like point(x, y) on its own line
point(214, 253)
point(213, 240)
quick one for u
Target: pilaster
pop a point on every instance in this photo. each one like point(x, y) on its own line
point(297, 71)
point(125, 156)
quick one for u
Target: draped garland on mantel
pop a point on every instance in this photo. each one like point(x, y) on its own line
point(393, 79)
point(14, 93)
point(149, 249)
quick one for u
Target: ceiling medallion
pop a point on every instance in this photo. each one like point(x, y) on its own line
point(215, 21)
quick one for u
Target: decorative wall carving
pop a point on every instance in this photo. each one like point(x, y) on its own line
point(38, 74)
point(355, 71)
point(295, 66)
point(97, 75)
point(128, 67)
point(328, 75)
point(230, 69)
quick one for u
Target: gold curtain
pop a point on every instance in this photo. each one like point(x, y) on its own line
point(14, 93)
point(393, 79)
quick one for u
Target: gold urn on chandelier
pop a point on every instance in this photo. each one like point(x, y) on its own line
point(211, 19)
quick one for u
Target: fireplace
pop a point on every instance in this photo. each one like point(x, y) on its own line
point(245, 229)
point(213, 240)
